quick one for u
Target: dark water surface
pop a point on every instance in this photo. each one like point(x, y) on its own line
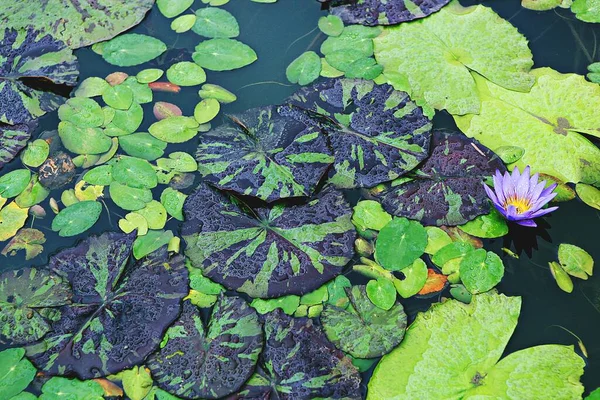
point(279, 33)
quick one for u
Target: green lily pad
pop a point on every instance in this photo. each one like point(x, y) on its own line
point(510, 154)
point(436, 239)
point(33, 194)
point(77, 218)
point(125, 122)
point(178, 161)
point(206, 110)
point(589, 195)
point(586, 10)
point(382, 293)
point(490, 225)
point(223, 54)
point(14, 182)
point(28, 239)
point(156, 215)
point(337, 292)
point(101, 175)
point(16, 372)
point(128, 198)
point(356, 38)
point(186, 73)
point(150, 242)
point(119, 97)
point(453, 43)
point(304, 69)
point(575, 261)
point(134, 221)
point(453, 349)
point(364, 330)
point(173, 201)
point(363, 68)
point(172, 8)
point(133, 172)
point(132, 49)
point(212, 22)
point(480, 271)
point(137, 382)
point(415, 277)
point(554, 127)
point(174, 129)
point(143, 145)
point(331, 25)
point(288, 304)
point(35, 153)
point(82, 111)
point(149, 75)
point(83, 140)
point(400, 243)
point(368, 214)
point(563, 280)
point(327, 71)
point(183, 23)
point(91, 87)
point(58, 388)
point(210, 91)
point(12, 218)
point(142, 93)
point(13, 139)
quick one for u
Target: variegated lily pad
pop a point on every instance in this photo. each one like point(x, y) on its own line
point(268, 252)
point(77, 23)
point(29, 54)
point(216, 360)
point(264, 154)
point(377, 133)
point(447, 188)
point(29, 299)
point(390, 12)
point(300, 363)
point(120, 310)
point(13, 138)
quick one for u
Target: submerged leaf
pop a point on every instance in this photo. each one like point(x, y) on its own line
point(376, 132)
point(264, 154)
point(447, 188)
point(268, 252)
point(381, 12)
point(120, 309)
point(217, 359)
point(27, 54)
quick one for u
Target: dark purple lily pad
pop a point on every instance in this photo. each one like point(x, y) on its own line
point(13, 138)
point(264, 154)
point(29, 300)
point(377, 133)
point(27, 54)
point(268, 252)
point(378, 12)
point(298, 362)
point(120, 309)
point(212, 362)
point(447, 188)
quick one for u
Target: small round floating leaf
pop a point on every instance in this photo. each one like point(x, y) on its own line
point(309, 243)
point(368, 214)
point(77, 218)
point(116, 78)
point(82, 111)
point(210, 91)
point(134, 221)
point(178, 161)
point(183, 23)
point(155, 213)
point(337, 292)
point(343, 59)
point(415, 277)
point(142, 94)
point(382, 293)
point(150, 242)
point(214, 22)
point(99, 176)
point(589, 195)
point(492, 225)
point(510, 154)
point(85, 191)
point(480, 271)
point(359, 38)
point(331, 25)
point(14, 182)
point(142, 145)
point(327, 71)
point(58, 388)
point(172, 8)
point(163, 110)
point(149, 75)
point(364, 330)
point(132, 49)
point(16, 372)
point(174, 129)
point(12, 218)
point(36, 153)
point(118, 97)
point(133, 172)
point(304, 69)
point(127, 121)
point(436, 239)
point(575, 261)
point(222, 355)
point(206, 110)
point(223, 54)
point(137, 382)
point(265, 154)
point(400, 243)
point(563, 280)
point(91, 87)
point(364, 68)
point(129, 198)
point(186, 73)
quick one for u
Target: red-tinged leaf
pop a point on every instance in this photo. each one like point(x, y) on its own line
point(110, 389)
point(116, 78)
point(435, 283)
point(163, 110)
point(164, 87)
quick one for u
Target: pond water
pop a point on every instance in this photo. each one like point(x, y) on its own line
point(280, 32)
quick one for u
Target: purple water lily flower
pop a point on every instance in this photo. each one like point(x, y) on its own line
point(520, 197)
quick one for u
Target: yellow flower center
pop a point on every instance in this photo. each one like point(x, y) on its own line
point(521, 204)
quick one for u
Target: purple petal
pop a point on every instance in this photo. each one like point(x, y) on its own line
point(527, 222)
point(533, 182)
point(536, 191)
point(508, 186)
point(522, 184)
point(512, 214)
point(548, 190)
point(542, 201)
point(499, 187)
point(543, 211)
point(490, 193)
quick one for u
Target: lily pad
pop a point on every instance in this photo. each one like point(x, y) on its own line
point(172, 8)
point(376, 132)
point(299, 359)
point(212, 22)
point(137, 382)
point(490, 225)
point(134, 221)
point(368, 214)
point(453, 349)
point(562, 278)
point(12, 218)
point(13, 138)
point(331, 25)
point(150, 242)
point(27, 54)
point(133, 172)
point(454, 43)
point(173, 201)
point(36, 153)
point(447, 188)
point(586, 10)
point(83, 140)
point(206, 110)
point(554, 127)
point(216, 359)
point(364, 330)
point(57, 388)
point(210, 91)
point(29, 300)
point(174, 129)
point(183, 23)
point(223, 54)
point(304, 69)
point(16, 372)
point(589, 195)
point(143, 145)
point(378, 12)
point(132, 49)
point(400, 243)
point(14, 182)
point(120, 309)
point(155, 214)
point(81, 23)
point(268, 252)
point(186, 73)
point(415, 278)
point(575, 261)
point(77, 218)
point(264, 154)
point(128, 198)
point(480, 271)
point(28, 239)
